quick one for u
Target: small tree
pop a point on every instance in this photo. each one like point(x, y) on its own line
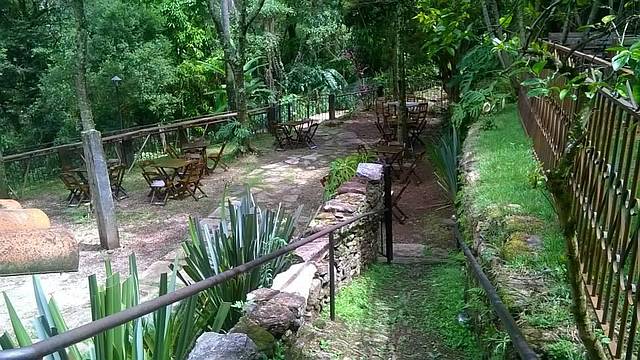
point(232, 20)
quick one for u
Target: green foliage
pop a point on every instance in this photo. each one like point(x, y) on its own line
point(444, 153)
point(246, 232)
point(342, 170)
point(168, 333)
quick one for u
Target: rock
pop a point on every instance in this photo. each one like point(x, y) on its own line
point(314, 250)
point(23, 219)
point(233, 346)
point(354, 186)
point(263, 340)
point(338, 206)
point(38, 251)
point(372, 172)
point(8, 204)
point(279, 315)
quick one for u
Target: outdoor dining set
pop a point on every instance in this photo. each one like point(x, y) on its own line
point(175, 175)
point(296, 133)
point(395, 153)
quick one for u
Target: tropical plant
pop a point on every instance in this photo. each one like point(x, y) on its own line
point(444, 153)
point(343, 169)
point(169, 333)
point(245, 233)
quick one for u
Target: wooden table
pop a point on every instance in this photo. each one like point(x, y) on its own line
point(303, 135)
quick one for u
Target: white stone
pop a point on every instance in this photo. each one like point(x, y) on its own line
point(296, 280)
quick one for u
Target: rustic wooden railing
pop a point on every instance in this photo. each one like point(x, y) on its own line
point(604, 184)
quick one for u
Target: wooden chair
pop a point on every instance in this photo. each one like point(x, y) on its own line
point(78, 189)
point(157, 182)
point(189, 182)
point(417, 123)
point(283, 137)
point(217, 159)
point(116, 175)
point(171, 151)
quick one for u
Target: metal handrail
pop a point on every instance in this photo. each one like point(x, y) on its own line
point(86, 331)
point(517, 338)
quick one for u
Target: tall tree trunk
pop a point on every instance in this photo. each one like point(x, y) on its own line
point(520, 21)
point(595, 7)
point(565, 25)
point(402, 80)
point(96, 166)
point(495, 13)
point(86, 116)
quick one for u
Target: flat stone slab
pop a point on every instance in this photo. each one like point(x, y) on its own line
point(296, 280)
point(313, 251)
point(370, 171)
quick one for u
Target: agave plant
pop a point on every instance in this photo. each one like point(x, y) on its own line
point(444, 153)
point(168, 333)
point(246, 232)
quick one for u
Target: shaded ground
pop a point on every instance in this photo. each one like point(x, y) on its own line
point(154, 233)
point(407, 310)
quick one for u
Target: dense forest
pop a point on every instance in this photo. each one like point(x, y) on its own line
point(182, 58)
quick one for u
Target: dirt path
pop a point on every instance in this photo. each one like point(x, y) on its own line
point(154, 233)
point(409, 309)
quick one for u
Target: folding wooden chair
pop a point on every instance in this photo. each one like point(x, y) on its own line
point(411, 170)
point(78, 189)
point(395, 199)
point(282, 135)
point(217, 159)
point(116, 175)
point(310, 133)
point(171, 151)
point(417, 123)
point(189, 183)
point(156, 181)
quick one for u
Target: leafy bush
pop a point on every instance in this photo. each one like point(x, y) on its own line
point(246, 232)
point(341, 170)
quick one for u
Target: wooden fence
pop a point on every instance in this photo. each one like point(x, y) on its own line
point(604, 183)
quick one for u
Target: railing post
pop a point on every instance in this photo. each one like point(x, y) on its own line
point(388, 213)
point(271, 118)
point(332, 279)
point(332, 106)
point(4, 184)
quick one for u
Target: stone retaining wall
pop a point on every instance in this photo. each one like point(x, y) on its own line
point(301, 292)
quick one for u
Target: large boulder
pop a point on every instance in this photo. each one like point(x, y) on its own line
point(233, 346)
point(23, 219)
point(7, 204)
point(38, 251)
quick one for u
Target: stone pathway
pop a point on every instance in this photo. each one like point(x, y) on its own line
point(290, 177)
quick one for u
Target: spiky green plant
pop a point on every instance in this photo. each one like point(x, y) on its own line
point(168, 333)
point(342, 170)
point(444, 153)
point(246, 232)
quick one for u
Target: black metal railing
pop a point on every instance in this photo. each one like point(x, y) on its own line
point(517, 338)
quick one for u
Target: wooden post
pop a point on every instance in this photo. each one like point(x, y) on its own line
point(4, 184)
point(271, 118)
point(388, 213)
point(101, 197)
point(332, 106)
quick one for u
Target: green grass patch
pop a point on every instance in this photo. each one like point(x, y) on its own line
point(506, 165)
point(420, 299)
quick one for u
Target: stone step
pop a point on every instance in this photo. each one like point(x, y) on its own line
point(416, 254)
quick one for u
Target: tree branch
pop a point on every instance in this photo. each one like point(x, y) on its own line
point(255, 14)
point(542, 15)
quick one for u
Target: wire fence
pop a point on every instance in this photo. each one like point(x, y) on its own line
point(604, 184)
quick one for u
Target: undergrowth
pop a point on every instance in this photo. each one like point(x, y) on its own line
point(343, 169)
